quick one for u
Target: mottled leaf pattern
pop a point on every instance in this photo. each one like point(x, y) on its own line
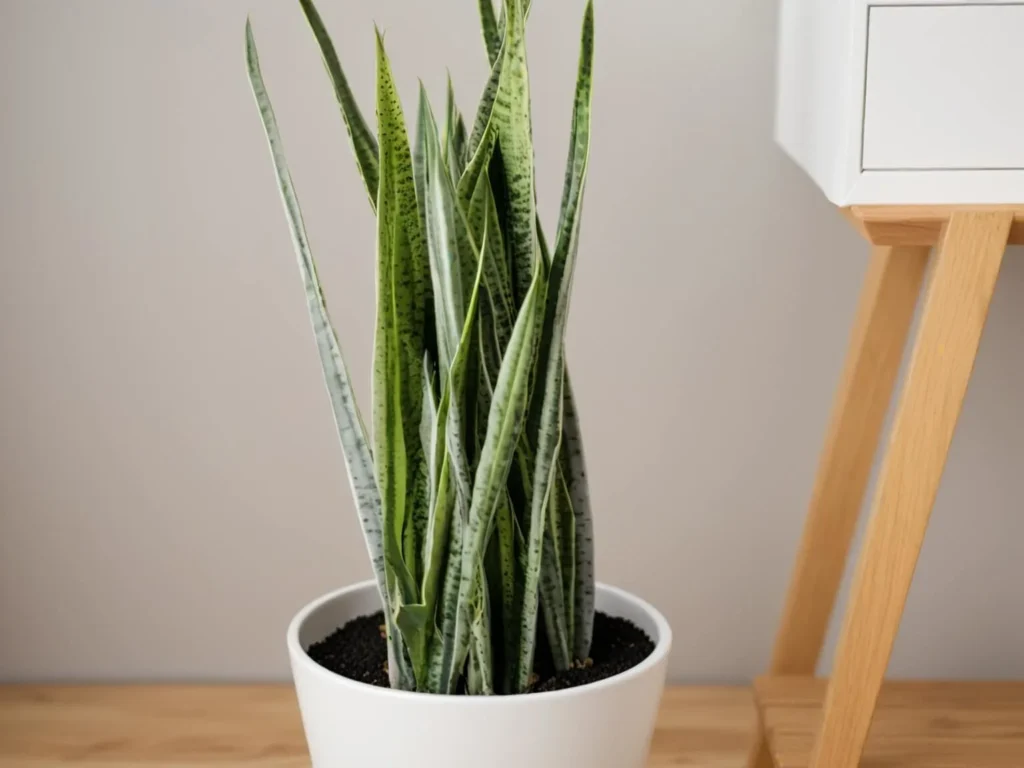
point(473, 500)
point(364, 143)
point(351, 432)
point(403, 289)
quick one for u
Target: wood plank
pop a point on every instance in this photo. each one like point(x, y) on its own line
point(952, 321)
point(884, 315)
point(916, 725)
point(258, 727)
point(920, 224)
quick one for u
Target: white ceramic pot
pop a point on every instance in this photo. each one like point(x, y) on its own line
point(607, 724)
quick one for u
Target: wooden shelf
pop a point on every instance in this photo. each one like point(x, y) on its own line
point(257, 726)
point(916, 724)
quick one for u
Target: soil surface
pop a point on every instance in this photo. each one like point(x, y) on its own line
point(359, 651)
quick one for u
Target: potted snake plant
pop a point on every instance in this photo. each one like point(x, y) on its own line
point(483, 638)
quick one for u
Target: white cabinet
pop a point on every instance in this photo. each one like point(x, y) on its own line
point(904, 102)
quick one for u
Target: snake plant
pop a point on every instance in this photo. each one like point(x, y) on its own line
point(471, 486)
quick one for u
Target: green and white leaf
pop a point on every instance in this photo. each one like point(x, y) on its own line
point(403, 284)
point(505, 424)
point(361, 138)
point(574, 469)
point(351, 432)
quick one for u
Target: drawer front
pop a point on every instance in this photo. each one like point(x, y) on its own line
point(944, 88)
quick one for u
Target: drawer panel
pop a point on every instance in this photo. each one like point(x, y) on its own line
point(944, 88)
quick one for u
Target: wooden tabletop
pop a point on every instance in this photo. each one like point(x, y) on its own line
point(258, 727)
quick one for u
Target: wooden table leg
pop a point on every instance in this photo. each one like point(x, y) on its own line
point(947, 343)
point(884, 316)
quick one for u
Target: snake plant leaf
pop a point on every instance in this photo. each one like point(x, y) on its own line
point(452, 252)
point(443, 674)
point(454, 136)
point(492, 35)
point(364, 143)
point(403, 286)
point(546, 417)
point(483, 213)
point(351, 432)
point(574, 469)
point(510, 588)
point(485, 108)
point(494, 28)
point(445, 661)
point(505, 424)
point(480, 674)
point(420, 160)
point(512, 122)
point(553, 602)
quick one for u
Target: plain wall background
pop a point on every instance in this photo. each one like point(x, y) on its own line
point(171, 490)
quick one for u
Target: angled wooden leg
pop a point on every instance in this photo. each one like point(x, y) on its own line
point(947, 342)
point(884, 315)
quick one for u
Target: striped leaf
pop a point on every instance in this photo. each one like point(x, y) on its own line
point(454, 136)
point(403, 283)
point(494, 27)
point(510, 589)
point(420, 159)
point(511, 119)
point(574, 469)
point(364, 143)
point(492, 35)
point(546, 414)
point(505, 424)
point(351, 432)
point(480, 674)
point(446, 659)
point(483, 213)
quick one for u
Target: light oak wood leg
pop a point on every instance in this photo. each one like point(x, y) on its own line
point(947, 342)
point(884, 316)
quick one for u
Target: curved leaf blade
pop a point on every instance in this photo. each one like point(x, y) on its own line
point(351, 432)
point(574, 468)
point(361, 138)
point(403, 285)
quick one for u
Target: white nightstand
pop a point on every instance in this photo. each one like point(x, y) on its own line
point(910, 117)
point(904, 102)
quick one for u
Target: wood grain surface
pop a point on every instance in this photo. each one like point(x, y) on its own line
point(259, 727)
point(916, 725)
point(921, 224)
point(948, 335)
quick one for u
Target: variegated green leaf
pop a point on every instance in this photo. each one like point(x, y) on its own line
point(454, 137)
point(492, 35)
point(546, 415)
point(404, 287)
point(364, 143)
point(511, 119)
point(567, 244)
point(505, 424)
point(480, 674)
point(351, 432)
point(497, 280)
point(452, 252)
point(574, 469)
point(420, 160)
point(446, 661)
point(509, 588)
point(494, 28)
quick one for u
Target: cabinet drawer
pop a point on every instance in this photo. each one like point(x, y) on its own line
point(944, 88)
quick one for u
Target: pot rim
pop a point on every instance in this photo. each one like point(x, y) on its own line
point(299, 656)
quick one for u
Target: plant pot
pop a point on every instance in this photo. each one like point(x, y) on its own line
point(348, 724)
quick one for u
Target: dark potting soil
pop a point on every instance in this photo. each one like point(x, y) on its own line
point(359, 651)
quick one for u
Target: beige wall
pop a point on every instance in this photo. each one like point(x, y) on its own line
point(170, 487)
